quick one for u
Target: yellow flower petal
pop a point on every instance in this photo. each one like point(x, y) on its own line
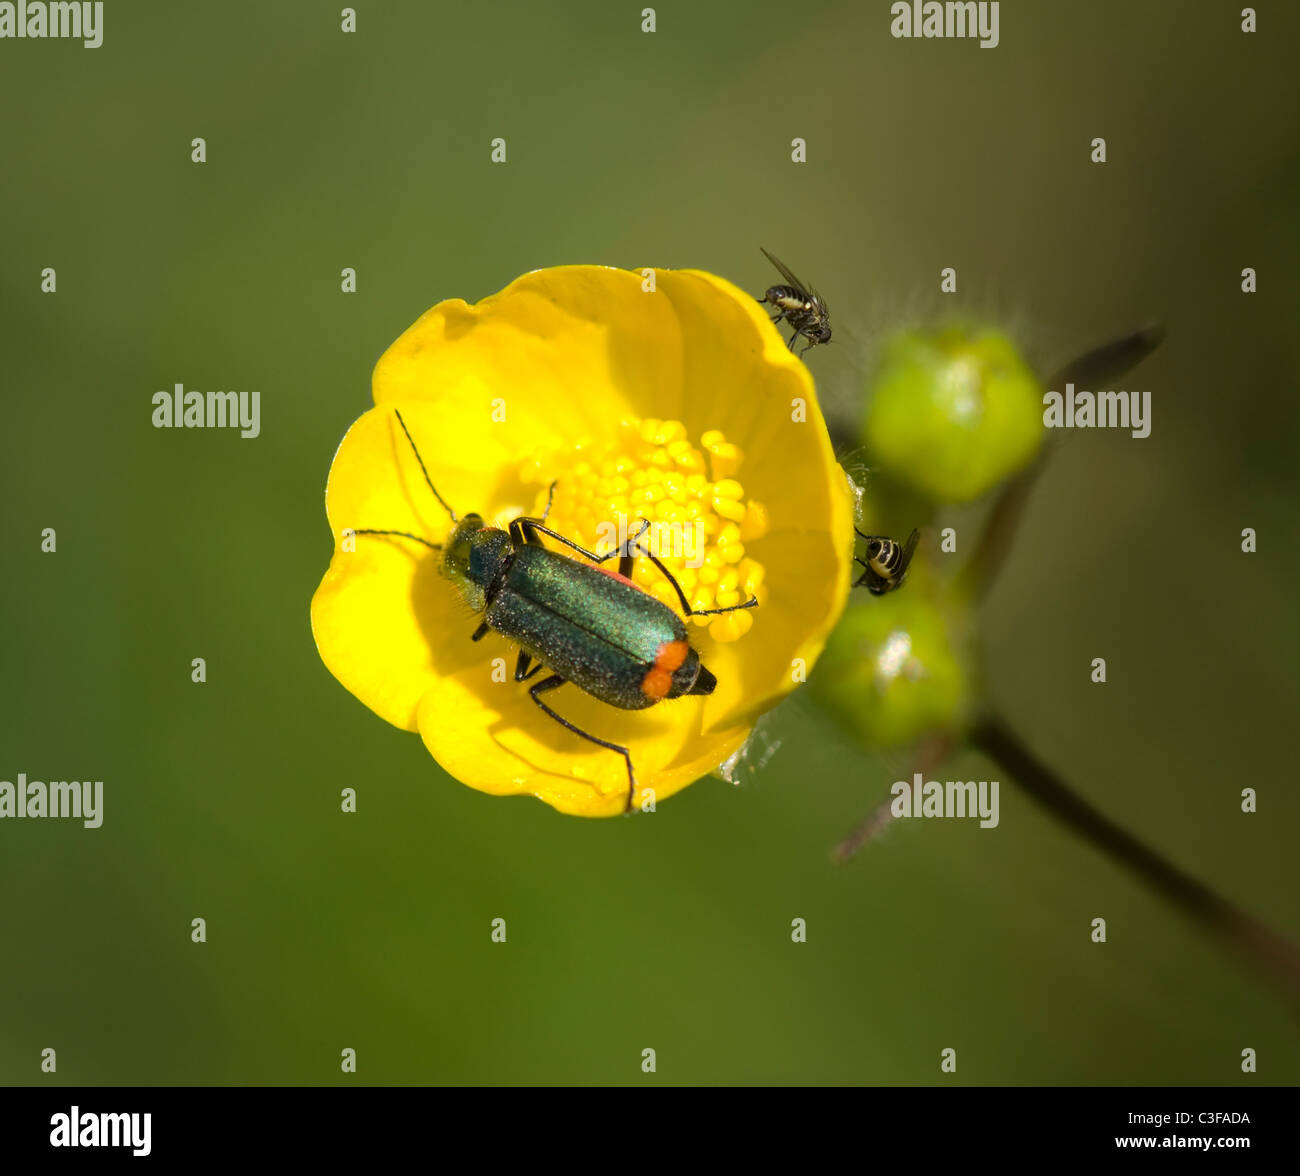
point(542, 381)
point(492, 737)
point(381, 614)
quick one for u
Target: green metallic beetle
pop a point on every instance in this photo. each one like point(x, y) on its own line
point(586, 624)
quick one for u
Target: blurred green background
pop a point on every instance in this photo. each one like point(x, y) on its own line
point(371, 931)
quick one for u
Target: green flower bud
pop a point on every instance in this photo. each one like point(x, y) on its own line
point(953, 412)
point(897, 667)
point(886, 508)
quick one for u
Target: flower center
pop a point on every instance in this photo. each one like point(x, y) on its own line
point(700, 519)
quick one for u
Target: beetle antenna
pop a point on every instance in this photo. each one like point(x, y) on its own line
point(403, 534)
point(425, 472)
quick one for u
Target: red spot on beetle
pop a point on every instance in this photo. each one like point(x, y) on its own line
point(656, 683)
point(671, 654)
point(615, 576)
point(659, 678)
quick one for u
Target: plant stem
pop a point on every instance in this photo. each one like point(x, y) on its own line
point(1098, 366)
point(978, 573)
point(929, 755)
point(1272, 954)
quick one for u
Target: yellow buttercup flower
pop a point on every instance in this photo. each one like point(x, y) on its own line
point(678, 406)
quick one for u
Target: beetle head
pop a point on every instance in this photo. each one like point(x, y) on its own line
point(472, 558)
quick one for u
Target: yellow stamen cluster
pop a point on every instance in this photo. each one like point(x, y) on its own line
point(699, 517)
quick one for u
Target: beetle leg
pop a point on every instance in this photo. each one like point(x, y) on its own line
point(522, 672)
point(523, 530)
point(550, 497)
point(686, 604)
point(481, 632)
point(522, 535)
point(628, 558)
point(552, 683)
point(752, 602)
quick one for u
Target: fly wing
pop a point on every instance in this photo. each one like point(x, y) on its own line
point(817, 300)
point(785, 273)
point(909, 548)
